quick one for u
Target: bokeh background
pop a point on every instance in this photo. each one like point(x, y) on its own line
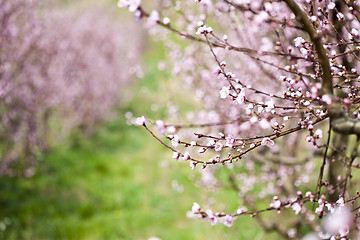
point(73, 76)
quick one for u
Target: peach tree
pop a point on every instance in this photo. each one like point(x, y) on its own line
point(276, 86)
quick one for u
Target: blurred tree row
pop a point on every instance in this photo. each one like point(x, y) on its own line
point(59, 69)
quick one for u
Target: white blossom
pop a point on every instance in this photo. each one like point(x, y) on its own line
point(175, 141)
point(267, 141)
point(140, 121)
point(176, 155)
point(331, 5)
point(154, 18)
point(299, 41)
point(224, 92)
point(241, 97)
point(211, 217)
point(296, 207)
point(218, 146)
point(318, 133)
point(339, 221)
point(186, 156)
point(228, 220)
point(132, 5)
point(193, 165)
point(195, 208)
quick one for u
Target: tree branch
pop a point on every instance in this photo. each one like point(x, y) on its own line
point(303, 18)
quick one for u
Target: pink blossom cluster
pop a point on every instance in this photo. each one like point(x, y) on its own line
point(213, 218)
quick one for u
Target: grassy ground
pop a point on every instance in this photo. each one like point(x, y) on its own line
point(111, 186)
point(117, 184)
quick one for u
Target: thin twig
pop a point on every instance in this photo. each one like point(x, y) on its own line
point(323, 163)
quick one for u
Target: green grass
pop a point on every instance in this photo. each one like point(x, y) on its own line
point(111, 186)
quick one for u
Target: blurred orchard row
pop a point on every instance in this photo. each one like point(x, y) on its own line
point(59, 70)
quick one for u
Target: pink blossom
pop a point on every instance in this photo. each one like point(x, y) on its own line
point(140, 121)
point(175, 141)
point(202, 150)
point(176, 155)
point(340, 16)
point(154, 18)
point(299, 41)
point(138, 15)
point(160, 126)
point(211, 143)
point(218, 146)
point(308, 194)
point(331, 5)
point(132, 5)
point(186, 156)
point(330, 207)
point(193, 165)
point(309, 138)
point(340, 202)
point(296, 207)
point(228, 220)
point(171, 129)
point(354, 32)
point(292, 233)
point(318, 133)
point(204, 30)
point(282, 78)
point(240, 211)
point(253, 119)
point(230, 140)
point(224, 92)
point(269, 105)
point(319, 210)
point(211, 217)
point(339, 221)
point(313, 18)
point(195, 208)
point(241, 97)
point(304, 52)
point(264, 123)
point(344, 231)
point(276, 203)
point(166, 21)
point(327, 99)
point(218, 71)
point(267, 141)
